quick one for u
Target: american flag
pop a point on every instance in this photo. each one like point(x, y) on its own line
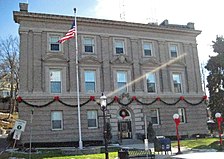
point(70, 34)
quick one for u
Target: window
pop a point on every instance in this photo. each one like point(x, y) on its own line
point(53, 43)
point(181, 112)
point(56, 120)
point(89, 81)
point(173, 50)
point(177, 83)
point(92, 118)
point(122, 80)
point(154, 114)
point(55, 81)
point(151, 82)
point(147, 47)
point(88, 45)
point(119, 46)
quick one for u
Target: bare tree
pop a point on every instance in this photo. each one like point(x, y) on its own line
point(9, 64)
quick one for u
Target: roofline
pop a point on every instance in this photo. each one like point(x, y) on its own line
point(21, 15)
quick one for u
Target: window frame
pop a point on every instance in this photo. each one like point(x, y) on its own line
point(126, 77)
point(96, 119)
point(170, 50)
point(151, 46)
point(50, 86)
point(85, 71)
point(123, 46)
point(157, 116)
point(91, 45)
point(58, 36)
point(61, 123)
point(183, 118)
point(155, 82)
point(181, 82)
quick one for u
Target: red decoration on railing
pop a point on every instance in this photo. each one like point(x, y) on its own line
point(116, 98)
point(181, 97)
point(19, 99)
point(158, 98)
point(56, 98)
point(134, 98)
point(92, 98)
point(205, 97)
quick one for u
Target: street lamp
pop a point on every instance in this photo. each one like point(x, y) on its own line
point(176, 119)
point(103, 105)
point(219, 119)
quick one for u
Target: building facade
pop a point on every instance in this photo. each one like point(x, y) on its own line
point(157, 65)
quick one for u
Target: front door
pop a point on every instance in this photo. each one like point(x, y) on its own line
point(124, 129)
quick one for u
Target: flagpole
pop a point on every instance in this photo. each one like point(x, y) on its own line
point(77, 82)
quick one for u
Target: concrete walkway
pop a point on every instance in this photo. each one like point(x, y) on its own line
point(189, 153)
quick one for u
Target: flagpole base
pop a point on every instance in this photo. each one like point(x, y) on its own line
point(80, 145)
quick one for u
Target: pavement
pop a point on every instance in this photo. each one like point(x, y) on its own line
point(186, 152)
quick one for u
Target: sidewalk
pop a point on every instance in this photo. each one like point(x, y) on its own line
point(185, 151)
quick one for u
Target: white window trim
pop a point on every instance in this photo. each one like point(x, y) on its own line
point(114, 46)
point(178, 49)
point(97, 77)
point(94, 44)
point(156, 85)
point(184, 115)
point(96, 120)
point(94, 81)
point(61, 120)
point(126, 79)
point(157, 115)
point(152, 51)
point(182, 82)
point(48, 43)
point(54, 69)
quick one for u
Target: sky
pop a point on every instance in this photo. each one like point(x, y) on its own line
point(206, 15)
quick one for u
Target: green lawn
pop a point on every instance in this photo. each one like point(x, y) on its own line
point(205, 143)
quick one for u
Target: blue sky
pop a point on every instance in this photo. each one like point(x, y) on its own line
point(207, 15)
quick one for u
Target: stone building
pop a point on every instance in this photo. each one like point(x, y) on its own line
point(158, 64)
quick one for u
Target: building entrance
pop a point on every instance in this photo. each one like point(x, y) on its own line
point(124, 129)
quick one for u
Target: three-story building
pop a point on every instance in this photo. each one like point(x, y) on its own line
point(158, 66)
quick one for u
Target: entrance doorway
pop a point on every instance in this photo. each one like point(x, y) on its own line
point(124, 129)
point(124, 124)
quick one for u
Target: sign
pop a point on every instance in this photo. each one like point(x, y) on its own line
point(20, 125)
point(17, 134)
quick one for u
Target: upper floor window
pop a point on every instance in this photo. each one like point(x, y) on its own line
point(119, 47)
point(182, 115)
point(147, 49)
point(154, 115)
point(90, 81)
point(122, 80)
point(173, 49)
point(177, 84)
point(55, 81)
point(56, 120)
point(92, 119)
point(88, 44)
point(54, 45)
point(151, 82)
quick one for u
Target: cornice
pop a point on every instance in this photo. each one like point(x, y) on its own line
point(41, 17)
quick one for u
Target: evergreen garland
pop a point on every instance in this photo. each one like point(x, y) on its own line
point(116, 99)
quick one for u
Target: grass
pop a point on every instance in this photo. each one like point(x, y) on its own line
point(204, 143)
point(57, 154)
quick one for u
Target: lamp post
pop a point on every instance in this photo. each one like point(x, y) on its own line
point(176, 119)
point(103, 105)
point(219, 121)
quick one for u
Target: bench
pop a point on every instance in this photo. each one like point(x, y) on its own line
point(135, 153)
